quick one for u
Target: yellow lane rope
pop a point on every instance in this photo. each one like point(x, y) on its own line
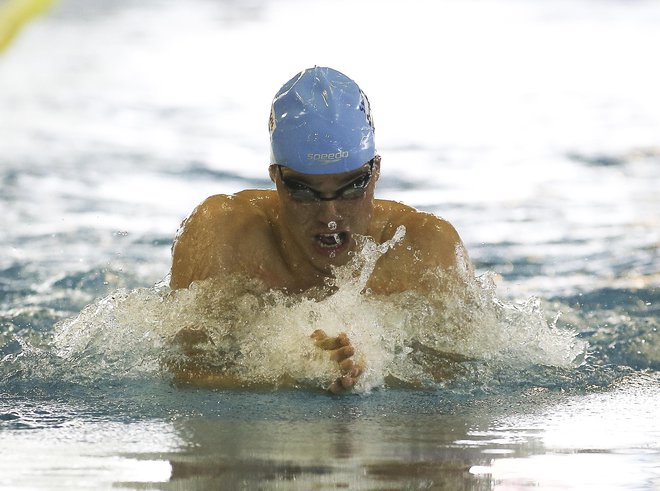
point(14, 14)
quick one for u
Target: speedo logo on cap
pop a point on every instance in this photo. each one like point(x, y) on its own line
point(327, 158)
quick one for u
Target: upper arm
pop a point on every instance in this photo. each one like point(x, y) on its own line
point(444, 259)
point(201, 245)
point(430, 257)
point(437, 243)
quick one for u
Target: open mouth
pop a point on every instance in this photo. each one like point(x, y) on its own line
point(332, 241)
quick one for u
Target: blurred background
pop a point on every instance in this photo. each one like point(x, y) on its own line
point(533, 126)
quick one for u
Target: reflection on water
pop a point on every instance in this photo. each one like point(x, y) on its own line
point(480, 445)
point(588, 442)
point(389, 440)
point(370, 453)
point(85, 454)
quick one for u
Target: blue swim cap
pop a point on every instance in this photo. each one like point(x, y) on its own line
point(320, 123)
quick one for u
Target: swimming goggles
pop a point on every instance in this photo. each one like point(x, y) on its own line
point(353, 190)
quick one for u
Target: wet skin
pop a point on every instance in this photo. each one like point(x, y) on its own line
point(320, 234)
point(292, 245)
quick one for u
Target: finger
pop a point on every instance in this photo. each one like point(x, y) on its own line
point(341, 354)
point(358, 369)
point(336, 387)
point(318, 335)
point(341, 385)
point(342, 339)
point(347, 366)
point(330, 343)
point(347, 382)
point(351, 369)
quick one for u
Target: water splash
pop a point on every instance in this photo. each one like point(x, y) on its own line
point(262, 337)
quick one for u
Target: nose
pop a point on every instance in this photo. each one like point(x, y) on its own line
point(328, 211)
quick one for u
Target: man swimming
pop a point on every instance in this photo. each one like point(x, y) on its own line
point(325, 169)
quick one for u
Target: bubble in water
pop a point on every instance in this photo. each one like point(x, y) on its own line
point(332, 225)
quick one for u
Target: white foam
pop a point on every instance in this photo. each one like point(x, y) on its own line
point(263, 337)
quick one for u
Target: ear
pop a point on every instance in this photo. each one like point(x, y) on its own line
point(272, 172)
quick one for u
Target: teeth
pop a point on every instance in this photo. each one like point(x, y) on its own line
point(330, 240)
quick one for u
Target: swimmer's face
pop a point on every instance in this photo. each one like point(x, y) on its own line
point(322, 214)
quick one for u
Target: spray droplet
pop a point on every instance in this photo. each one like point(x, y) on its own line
point(332, 254)
point(332, 225)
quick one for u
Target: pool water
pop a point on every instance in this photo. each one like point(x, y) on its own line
point(532, 127)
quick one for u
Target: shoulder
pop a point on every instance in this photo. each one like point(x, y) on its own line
point(212, 239)
point(251, 201)
point(420, 226)
point(430, 257)
point(229, 211)
point(434, 240)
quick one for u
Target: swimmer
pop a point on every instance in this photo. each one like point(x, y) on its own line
point(325, 168)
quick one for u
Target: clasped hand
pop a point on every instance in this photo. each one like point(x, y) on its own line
point(341, 351)
point(191, 370)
